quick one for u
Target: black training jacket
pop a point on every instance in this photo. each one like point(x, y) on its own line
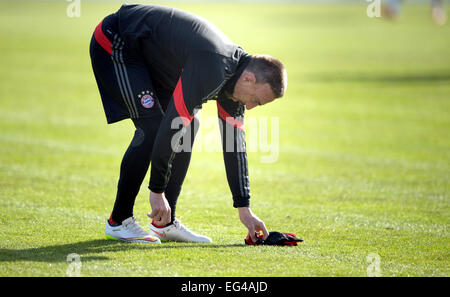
point(190, 61)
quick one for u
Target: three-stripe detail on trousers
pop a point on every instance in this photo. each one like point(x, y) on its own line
point(122, 76)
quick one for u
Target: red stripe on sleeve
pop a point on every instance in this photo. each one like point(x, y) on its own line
point(180, 106)
point(228, 118)
point(101, 38)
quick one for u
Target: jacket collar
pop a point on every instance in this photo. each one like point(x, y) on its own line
point(231, 83)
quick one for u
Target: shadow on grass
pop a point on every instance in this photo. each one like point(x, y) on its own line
point(58, 253)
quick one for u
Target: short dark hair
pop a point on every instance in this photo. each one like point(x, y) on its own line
point(269, 70)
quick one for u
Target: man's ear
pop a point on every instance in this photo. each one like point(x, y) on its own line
point(249, 77)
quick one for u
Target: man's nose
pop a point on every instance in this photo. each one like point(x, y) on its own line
point(250, 105)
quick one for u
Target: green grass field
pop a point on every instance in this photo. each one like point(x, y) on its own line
point(363, 162)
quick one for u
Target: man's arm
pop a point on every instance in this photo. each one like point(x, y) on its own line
point(202, 76)
point(231, 117)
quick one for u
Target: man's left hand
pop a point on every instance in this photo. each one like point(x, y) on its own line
point(252, 222)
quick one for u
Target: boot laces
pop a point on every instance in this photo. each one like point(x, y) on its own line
point(133, 227)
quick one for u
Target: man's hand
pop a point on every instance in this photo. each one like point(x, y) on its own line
point(252, 222)
point(161, 211)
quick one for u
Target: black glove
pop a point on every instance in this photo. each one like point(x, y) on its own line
point(274, 238)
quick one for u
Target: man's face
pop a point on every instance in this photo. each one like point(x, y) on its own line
point(250, 93)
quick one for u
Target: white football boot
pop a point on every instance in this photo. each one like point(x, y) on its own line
point(129, 231)
point(177, 232)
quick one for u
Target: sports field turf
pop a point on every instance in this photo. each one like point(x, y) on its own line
point(363, 165)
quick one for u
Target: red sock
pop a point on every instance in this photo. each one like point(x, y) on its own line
point(111, 221)
point(157, 226)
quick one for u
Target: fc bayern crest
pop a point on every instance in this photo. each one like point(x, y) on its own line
point(147, 101)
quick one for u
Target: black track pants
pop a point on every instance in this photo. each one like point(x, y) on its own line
point(135, 164)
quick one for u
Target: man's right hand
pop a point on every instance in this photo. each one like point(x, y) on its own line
point(161, 212)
